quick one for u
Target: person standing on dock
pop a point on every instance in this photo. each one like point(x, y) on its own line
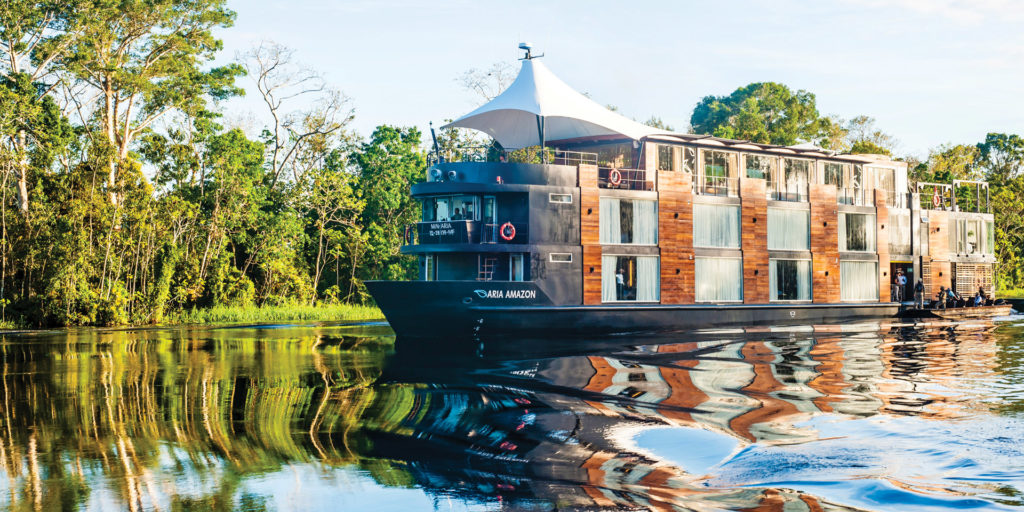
point(919, 294)
point(620, 284)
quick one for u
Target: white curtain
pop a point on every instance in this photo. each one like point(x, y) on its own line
point(716, 225)
point(608, 275)
point(718, 279)
point(645, 222)
point(899, 232)
point(789, 230)
point(789, 280)
point(858, 280)
point(611, 231)
point(648, 279)
point(856, 232)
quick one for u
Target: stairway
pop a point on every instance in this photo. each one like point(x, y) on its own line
point(486, 268)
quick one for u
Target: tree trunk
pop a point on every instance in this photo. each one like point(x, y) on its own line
point(22, 173)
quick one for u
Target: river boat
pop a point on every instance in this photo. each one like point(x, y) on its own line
point(960, 313)
point(618, 227)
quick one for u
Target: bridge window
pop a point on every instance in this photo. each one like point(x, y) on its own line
point(449, 208)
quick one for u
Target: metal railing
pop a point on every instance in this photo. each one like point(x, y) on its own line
point(936, 196)
point(466, 232)
point(721, 186)
point(851, 196)
point(972, 196)
point(796, 192)
point(899, 200)
point(494, 234)
point(462, 154)
point(624, 179)
point(574, 158)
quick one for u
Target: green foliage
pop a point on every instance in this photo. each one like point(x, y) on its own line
point(868, 147)
point(765, 112)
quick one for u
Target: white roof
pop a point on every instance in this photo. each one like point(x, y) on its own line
point(512, 117)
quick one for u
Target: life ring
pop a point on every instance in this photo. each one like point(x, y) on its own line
point(936, 200)
point(507, 231)
point(614, 177)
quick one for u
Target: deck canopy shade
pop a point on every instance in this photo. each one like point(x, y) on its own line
point(539, 107)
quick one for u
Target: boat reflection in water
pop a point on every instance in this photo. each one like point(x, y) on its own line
point(861, 416)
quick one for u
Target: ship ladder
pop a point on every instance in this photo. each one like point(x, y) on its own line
point(486, 268)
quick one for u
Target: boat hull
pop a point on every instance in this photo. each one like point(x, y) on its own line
point(470, 310)
point(961, 313)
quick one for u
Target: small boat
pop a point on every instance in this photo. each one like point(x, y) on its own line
point(960, 313)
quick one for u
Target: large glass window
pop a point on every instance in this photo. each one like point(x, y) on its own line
point(718, 164)
point(789, 280)
point(448, 208)
point(716, 225)
point(760, 166)
point(789, 230)
point(628, 221)
point(858, 280)
point(974, 236)
point(718, 279)
point(833, 174)
point(630, 278)
point(689, 159)
point(856, 232)
point(899, 231)
point(665, 158)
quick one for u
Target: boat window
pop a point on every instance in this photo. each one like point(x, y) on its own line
point(515, 267)
point(448, 208)
point(630, 279)
point(834, 174)
point(971, 237)
point(990, 231)
point(858, 280)
point(789, 230)
point(560, 257)
point(856, 232)
point(666, 161)
point(429, 268)
point(899, 231)
point(628, 221)
point(560, 198)
point(719, 164)
point(760, 166)
point(791, 185)
point(689, 159)
point(789, 280)
point(716, 225)
point(718, 279)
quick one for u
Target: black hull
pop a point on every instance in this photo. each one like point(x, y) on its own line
point(476, 311)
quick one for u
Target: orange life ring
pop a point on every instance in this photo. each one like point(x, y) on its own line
point(507, 231)
point(614, 177)
point(936, 200)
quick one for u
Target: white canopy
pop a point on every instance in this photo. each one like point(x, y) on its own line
point(538, 102)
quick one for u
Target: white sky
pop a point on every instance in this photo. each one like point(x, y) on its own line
point(930, 71)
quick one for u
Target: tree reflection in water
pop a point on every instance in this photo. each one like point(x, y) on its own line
point(195, 418)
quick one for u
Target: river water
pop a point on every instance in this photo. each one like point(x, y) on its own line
point(337, 417)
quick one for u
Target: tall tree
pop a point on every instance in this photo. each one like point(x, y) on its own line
point(864, 137)
point(145, 59)
point(763, 112)
point(1002, 156)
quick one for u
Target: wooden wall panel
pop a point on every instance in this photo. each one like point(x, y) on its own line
point(590, 215)
point(824, 243)
point(885, 280)
point(587, 176)
point(754, 240)
point(591, 274)
point(938, 252)
point(675, 237)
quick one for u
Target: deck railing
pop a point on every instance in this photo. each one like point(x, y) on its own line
point(936, 196)
point(851, 196)
point(720, 186)
point(574, 158)
point(624, 179)
point(796, 192)
point(972, 196)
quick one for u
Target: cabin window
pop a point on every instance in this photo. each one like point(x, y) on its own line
point(759, 166)
point(716, 225)
point(628, 221)
point(429, 268)
point(630, 279)
point(560, 198)
point(833, 174)
point(990, 230)
point(718, 165)
point(858, 280)
point(789, 280)
point(560, 257)
point(449, 208)
point(718, 279)
point(792, 185)
point(515, 266)
point(689, 159)
point(789, 230)
point(665, 158)
point(899, 232)
point(973, 236)
point(856, 232)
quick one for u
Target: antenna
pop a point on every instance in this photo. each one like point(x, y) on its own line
point(526, 47)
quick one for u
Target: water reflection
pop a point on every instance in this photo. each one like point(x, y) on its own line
point(305, 417)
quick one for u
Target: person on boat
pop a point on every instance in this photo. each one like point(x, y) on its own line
point(901, 285)
point(940, 298)
point(620, 284)
point(919, 294)
point(979, 300)
point(952, 297)
point(457, 215)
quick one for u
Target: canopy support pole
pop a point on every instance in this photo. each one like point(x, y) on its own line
point(540, 133)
